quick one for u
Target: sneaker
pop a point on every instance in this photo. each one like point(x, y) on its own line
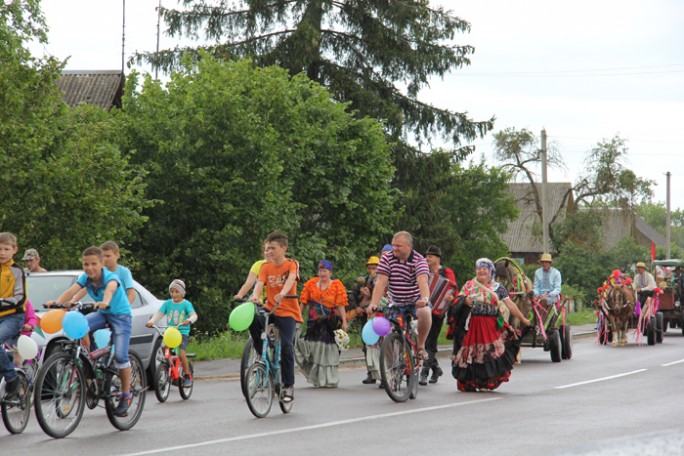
point(369, 380)
point(288, 394)
point(423, 380)
point(11, 389)
point(187, 382)
point(122, 409)
point(381, 385)
point(436, 373)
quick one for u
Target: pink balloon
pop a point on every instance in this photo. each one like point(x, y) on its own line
point(381, 326)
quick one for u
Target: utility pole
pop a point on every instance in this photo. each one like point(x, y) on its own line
point(544, 204)
point(123, 37)
point(667, 218)
point(156, 68)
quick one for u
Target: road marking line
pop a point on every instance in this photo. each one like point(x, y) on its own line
point(599, 379)
point(673, 362)
point(308, 428)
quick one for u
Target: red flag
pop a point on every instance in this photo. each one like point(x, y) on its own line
point(652, 251)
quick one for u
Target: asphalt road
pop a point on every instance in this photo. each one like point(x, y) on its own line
point(605, 400)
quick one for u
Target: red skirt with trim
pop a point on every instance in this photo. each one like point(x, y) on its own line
point(486, 356)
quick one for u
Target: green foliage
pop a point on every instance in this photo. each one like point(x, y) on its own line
point(67, 185)
point(234, 153)
point(655, 214)
point(462, 209)
point(360, 50)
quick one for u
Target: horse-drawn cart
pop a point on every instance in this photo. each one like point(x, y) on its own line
point(670, 305)
point(549, 329)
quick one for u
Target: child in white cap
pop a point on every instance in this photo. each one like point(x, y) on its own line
point(180, 313)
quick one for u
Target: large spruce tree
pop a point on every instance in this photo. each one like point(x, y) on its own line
point(376, 54)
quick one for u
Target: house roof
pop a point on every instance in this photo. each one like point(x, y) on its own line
point(619, 223)
point(101, 87)
point(525, 234)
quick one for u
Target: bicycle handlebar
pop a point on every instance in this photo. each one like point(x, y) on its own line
point(78, 305)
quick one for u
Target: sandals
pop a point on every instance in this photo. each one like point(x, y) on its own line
point(422, 354)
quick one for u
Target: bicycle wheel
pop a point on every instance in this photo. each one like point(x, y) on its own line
point(59, 397)
point(113, 394)
point(396, 367)
point(186, 391)
point(16, 412)
point(248, 357)
point(162, 382)
point(259, 390)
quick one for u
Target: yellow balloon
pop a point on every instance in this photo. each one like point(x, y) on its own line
point(51, 322)
point(172, 337)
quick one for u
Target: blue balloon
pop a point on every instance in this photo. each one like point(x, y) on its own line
point(102, 337)
point(75, 325)
point(369, 336)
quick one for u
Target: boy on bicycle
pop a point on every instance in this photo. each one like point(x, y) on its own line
point(179, 312)
point(279, 276)
point(113, 308)
point(12, 299)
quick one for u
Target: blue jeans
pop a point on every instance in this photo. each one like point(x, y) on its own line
point(9, 329)
point(287, 326)
point(121, 334)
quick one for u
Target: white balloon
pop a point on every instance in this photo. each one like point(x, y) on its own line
point(27, 347)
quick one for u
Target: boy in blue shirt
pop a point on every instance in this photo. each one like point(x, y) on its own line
point(179, 312)
point(112, 307)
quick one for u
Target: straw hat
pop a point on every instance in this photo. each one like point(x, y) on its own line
point(546, 257)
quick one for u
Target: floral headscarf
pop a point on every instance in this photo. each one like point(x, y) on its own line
point(486, 262)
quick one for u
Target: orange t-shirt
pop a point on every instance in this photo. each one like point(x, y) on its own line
point(274, 277)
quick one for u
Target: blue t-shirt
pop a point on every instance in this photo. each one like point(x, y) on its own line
point(119, 304)
point(125, 277)
point(176, 313)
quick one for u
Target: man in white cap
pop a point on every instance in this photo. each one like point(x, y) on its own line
point(32, 260)
point(547, 281)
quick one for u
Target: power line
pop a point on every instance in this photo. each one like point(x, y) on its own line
point(617, 71)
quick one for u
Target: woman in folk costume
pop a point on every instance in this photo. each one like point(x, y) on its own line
point(318, 354)
point(489, 349)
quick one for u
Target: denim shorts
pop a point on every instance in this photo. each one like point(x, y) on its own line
point(184, 343)
point(121, 334)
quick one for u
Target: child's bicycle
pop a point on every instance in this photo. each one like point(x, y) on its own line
point(262, 378)
point(398, 364)
point(16, 411)
point(170, 372)
point(73, 377)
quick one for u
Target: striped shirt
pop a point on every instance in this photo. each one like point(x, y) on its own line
point(402, 286)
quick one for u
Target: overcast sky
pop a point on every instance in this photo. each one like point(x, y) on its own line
point(583, 70)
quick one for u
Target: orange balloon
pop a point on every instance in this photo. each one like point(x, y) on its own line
point(51, 322)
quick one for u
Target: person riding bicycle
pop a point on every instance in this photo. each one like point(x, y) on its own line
point(12, 300)
point(253, 275)
point(404, 272)
point(547, 281)
point(279, 276)
point(179, 312)
point(113, 308)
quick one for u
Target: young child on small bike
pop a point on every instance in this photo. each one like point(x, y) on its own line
point(113, 308)
point(12, 300)
point(179, 312)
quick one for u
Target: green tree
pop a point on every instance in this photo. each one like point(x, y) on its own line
point(376, 55)
point(66, 185)
point(655, 214)
point(462, 209)
point(236, 152)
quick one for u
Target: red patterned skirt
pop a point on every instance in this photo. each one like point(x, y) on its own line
point(486, 356)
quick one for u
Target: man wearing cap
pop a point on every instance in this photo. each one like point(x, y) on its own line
point(547, 281)
point(360, 298)
point(433, 256)
point(643, 283)
point(32, 260)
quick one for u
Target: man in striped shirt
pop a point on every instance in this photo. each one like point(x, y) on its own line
point(404, 272)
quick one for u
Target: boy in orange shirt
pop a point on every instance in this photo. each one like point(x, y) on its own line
point(279, 276)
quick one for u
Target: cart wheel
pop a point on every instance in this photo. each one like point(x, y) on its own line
point(554, 344)
point(660, 327)
point(566, 341)
point(651, 331)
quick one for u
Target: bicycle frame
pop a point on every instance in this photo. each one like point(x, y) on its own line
point(402, 326)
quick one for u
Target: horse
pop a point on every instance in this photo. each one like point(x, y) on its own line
point(618, 301)
point(511, 275)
